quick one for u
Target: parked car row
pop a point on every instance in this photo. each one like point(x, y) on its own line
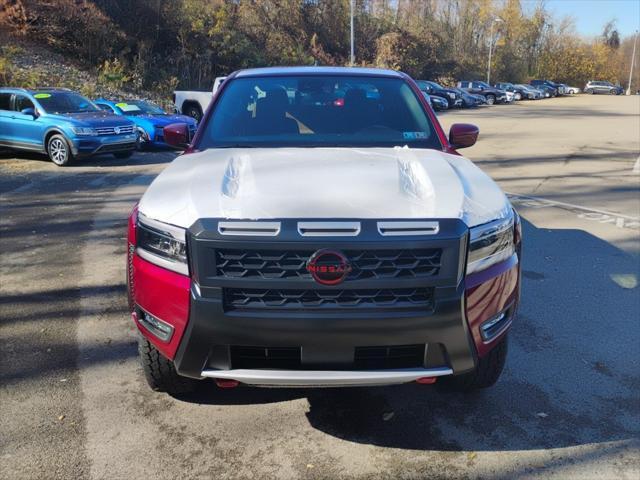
point(472, 93)
point(66, 125)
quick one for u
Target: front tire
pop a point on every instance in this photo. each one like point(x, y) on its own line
point(58, 150)
point(491, 99)
point(160, 372)
point(485, 375)
point(517, 96)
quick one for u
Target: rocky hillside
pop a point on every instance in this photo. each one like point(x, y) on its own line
point(24, 64)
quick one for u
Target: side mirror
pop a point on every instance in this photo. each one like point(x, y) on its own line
point(176, 135)
point(463, 135)
point(29, 111)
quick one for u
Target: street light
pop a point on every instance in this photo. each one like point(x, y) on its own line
point(353, 57)
point(633, 60)
point(495, 20)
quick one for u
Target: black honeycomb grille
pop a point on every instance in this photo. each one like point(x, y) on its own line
point(371, 264)
point(249, 298)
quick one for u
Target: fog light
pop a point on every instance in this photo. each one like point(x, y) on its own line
point(155, 326)
point(494, 325)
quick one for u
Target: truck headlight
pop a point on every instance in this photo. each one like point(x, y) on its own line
point(491, 243)
point(84, 131)
point(162, 244)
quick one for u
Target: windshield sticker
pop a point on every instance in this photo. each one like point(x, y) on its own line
point(125, 107)
point(42, 95)
point(414, 135)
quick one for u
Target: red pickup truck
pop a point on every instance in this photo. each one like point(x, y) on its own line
point(322, 230)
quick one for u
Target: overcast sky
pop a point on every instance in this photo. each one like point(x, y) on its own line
point(591, 15)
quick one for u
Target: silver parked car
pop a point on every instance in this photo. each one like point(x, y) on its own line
point(597, 86)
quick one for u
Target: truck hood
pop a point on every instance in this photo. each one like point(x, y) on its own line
point(328, 183)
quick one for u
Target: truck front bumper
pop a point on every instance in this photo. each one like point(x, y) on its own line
point(273, 344)
point(326, 378)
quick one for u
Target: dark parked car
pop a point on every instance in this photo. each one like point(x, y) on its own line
point(432, 88)
point(546, 90)
point(609, 88)
point(493, 95)
point(437, 103)
point(554, 88)
point(470, 100)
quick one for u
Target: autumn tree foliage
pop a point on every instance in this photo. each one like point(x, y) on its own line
point(192, 41)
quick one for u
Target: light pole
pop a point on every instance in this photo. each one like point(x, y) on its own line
point(633, 60)
point(353, 57)
point(495, 20)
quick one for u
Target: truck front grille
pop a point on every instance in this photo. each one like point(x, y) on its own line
point(366, 264)
point(401, 356)
point(265, 357)
point(278, 299)
point(364, 358)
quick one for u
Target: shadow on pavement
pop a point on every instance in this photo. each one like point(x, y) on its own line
point(154, 157)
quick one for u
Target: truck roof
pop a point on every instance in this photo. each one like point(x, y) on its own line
point(269, 71)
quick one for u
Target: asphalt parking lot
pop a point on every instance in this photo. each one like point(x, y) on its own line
point(74, 403)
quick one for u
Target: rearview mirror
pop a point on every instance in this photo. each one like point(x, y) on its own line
point(463, 135)
point(29, 111)
point(176, 135)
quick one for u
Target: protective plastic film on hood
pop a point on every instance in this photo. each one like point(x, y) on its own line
point(481, 203)
point(323, 183)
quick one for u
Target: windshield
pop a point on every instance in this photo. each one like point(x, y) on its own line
point(64, 102)
point(483, 84)
point(435, 85)
point(318, 111)
point(140, 107)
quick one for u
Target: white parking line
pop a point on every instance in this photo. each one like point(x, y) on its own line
point(586, 213)
point(636, 167)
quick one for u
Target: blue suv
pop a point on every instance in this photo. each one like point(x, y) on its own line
point(62, 124)
point(150, 119)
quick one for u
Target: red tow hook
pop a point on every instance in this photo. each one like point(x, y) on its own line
point(426, 380)
point(223, 383)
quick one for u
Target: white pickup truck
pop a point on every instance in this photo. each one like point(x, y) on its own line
point(194, 103)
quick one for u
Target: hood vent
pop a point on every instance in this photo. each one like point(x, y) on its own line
point(249, 229)
point(329, 229)
point(408, 228)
